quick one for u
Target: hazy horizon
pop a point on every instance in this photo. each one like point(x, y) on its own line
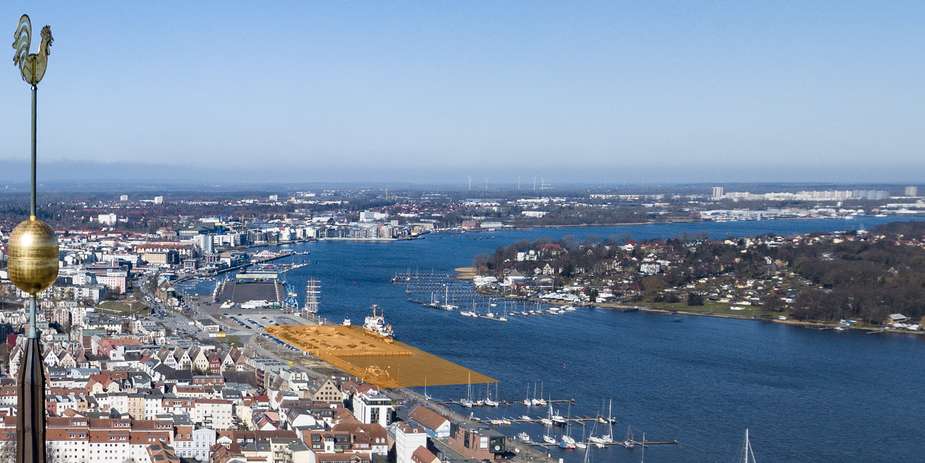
point(424, 92)
point(16, 171)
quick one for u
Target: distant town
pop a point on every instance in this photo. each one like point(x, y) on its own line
point(868, 278)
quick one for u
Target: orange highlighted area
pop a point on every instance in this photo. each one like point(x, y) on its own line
point(374, 359)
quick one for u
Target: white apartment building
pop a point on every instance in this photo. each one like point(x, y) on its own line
point(407, 440)
point(373, 407)
point(213, 413)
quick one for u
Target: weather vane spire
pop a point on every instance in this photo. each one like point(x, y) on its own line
point(31, 65)
point(33, 265)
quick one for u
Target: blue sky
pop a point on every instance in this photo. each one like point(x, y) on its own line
point(621, 91)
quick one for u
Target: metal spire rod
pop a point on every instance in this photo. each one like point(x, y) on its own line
point(33, 332)
point(32, 207)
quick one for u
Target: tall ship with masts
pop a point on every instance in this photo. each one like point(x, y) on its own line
point(312, 297)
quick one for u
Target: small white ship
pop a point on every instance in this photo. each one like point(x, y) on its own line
point(375, 324)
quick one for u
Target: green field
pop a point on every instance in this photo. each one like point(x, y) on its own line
point(710, 308)
point(124, 307)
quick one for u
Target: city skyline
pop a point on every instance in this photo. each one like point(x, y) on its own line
point(409, 92)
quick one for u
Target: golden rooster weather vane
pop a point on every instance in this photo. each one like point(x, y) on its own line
point(31, 65)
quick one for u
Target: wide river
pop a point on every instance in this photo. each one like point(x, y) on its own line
point(804, 394)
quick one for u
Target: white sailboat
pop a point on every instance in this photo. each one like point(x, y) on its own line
point(488, 402)
point(555, 416)
point(527, 401)
point(547, 420)
point(600, 441)
point(470, 313)
point(433, 300)
point(539, 401)
point(547, 436)
point(628, 440)
point(583, 442)
point(467, 402)
point(566, 441)
point(446, 299)
point(489, 313)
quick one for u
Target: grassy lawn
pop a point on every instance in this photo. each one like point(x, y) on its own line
point(124, 307)
point(710, 308)
point(231, 340)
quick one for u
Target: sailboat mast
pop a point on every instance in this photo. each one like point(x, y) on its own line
point(643, 448)
point(748, 453)
point(568, 420)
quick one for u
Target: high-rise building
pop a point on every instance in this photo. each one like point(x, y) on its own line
point(123, 198)
point(912, 190)
point(204, 243)
point(158, 200)
point(717, 193)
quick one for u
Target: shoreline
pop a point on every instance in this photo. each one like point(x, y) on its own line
point(650, 222)
point(820, 325)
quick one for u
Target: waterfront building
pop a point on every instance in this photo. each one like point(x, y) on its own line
point(436, 425)
point(477, 443)
point(373, 407)
point(911, 191)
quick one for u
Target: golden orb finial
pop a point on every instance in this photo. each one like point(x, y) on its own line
point(33, 260)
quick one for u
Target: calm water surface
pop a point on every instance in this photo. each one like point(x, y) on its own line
point(805, 395)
